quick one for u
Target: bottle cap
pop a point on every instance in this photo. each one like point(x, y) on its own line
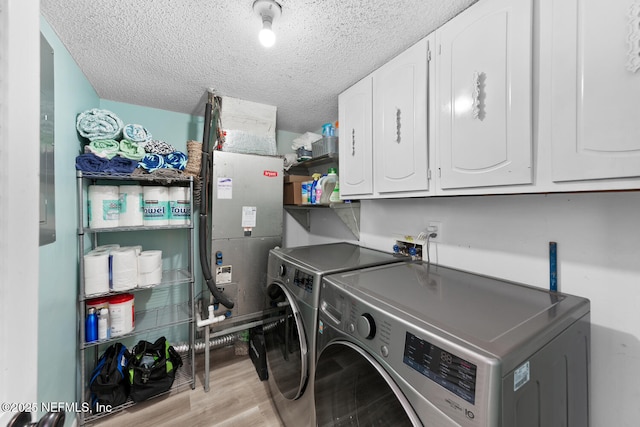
point(333, 170)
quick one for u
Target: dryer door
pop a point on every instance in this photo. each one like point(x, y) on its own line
point(286, 343)
point(352, 389)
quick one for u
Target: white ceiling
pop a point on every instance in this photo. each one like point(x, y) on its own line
point(166, 53)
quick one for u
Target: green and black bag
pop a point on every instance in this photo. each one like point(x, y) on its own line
point(152, 368)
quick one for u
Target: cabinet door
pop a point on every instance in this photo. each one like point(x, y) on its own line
point(355, 171)
point(400, 122)
point(484, 95)
point(595, 89)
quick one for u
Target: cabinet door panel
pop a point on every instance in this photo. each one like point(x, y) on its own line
point(355, 139)
point(595, 97)
point(400, 122)
point(484, 85)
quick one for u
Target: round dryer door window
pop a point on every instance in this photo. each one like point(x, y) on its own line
point(352, 389)
point(286, 344)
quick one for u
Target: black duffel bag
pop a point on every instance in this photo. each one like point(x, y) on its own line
point(152, 368)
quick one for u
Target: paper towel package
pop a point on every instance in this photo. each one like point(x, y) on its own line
point(179, 206)
point(103, 206)
point(131, 199)
point(156, 206)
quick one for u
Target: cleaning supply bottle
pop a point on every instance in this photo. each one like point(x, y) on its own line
point(319, 189)
point(335, 194)
point(104, 330)
point(312, 192)
point(328, 184)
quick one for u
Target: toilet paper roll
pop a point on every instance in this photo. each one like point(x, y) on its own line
point(103, 206)
point(124, 265)
point(149, 268)
point(155, 206)
point(131, 198)
point(96, 272)
point(179, 206)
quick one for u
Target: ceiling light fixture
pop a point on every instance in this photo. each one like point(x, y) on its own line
point(267, 10)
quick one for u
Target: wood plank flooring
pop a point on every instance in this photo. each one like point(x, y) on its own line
point(237, 398)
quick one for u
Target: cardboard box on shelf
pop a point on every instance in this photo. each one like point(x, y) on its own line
point(293, 189)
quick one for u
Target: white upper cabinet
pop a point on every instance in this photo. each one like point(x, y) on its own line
point(484, 99)
point(400, 148)
point(356, 159)
point(595, 88)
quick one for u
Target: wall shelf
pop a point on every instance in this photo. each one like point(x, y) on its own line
point(348, 212)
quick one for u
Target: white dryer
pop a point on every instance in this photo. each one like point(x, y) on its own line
point(413, 344)
point(294, 277)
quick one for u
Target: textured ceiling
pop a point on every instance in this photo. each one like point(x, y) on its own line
point(166, 53)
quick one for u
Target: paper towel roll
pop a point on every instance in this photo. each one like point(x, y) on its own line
point(156, 206)
point(131, 197)
point(124, 268)
point(96, 272)
point(149, 268)
point(179, 206)
point(104, 206)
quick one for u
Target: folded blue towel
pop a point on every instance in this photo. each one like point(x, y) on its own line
point(136, 133)
point(121, 164)
point(152, 162)
point(176, 160)
point(89, 162)
point(99, 124)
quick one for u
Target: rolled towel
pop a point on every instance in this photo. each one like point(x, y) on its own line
point(136, 133)
point(159, 147)
point(121, 165)
point(176, 160)
point(152, 162)
point(89, 162)
point(106, 148)
point(131, 150)
point(98, 124)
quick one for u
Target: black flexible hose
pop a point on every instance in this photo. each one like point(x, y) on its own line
point(205, 259)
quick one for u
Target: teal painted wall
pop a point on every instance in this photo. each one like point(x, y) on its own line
point(57, 323)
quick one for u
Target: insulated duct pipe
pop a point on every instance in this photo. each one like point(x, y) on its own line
point(205, 169)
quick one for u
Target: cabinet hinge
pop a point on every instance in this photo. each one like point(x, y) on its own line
point(428, 55)
point(428, 173)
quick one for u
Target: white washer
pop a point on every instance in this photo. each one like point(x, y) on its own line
point(294, 277)
point(413, 344)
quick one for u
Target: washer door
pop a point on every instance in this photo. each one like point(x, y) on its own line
point(286, 344)
point(352, 389)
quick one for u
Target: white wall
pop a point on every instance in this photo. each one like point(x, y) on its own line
point(507, 236)
point(19, 214)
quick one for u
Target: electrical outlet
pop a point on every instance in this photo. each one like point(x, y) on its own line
point(435, 227)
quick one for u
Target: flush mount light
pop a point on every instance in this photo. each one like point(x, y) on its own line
point(267, 10)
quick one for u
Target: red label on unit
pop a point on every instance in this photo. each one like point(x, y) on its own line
point(270, 174)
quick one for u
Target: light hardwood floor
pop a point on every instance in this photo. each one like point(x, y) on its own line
point(237, 398)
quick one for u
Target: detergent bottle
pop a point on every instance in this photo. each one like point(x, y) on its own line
point(335, 194)
point(328, 185)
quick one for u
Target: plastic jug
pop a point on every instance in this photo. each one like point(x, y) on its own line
point(335, 194)
point(328, 185)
